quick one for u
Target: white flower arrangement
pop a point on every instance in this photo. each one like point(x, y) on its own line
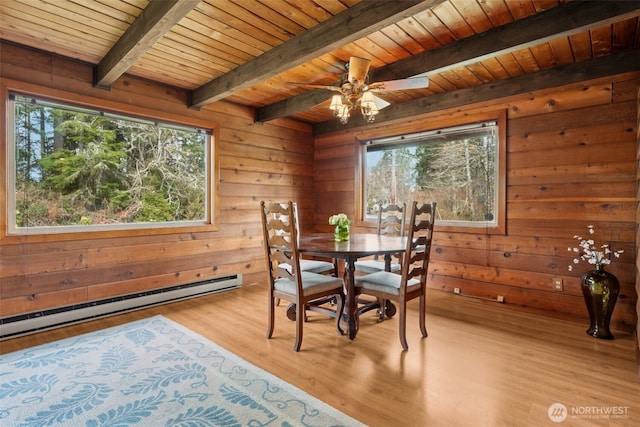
point(590, 252)
point(340, 219)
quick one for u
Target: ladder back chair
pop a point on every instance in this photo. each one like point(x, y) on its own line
point(412, 282)
point(391, 221)
point(286, 280)
point(315, 265)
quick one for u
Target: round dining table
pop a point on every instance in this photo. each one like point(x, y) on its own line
point(358, 246)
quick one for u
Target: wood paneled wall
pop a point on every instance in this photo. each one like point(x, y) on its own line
point(571, 162)
point(637, 335)
point(273, 161)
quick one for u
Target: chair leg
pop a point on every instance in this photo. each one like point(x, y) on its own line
point(423, 326)
point(300, 319)
point(271, 315)
point(402, 329)
point(339, 309)
point(381, 310)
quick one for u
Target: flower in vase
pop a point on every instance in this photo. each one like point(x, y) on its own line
point(340, 220)
point(588, 251)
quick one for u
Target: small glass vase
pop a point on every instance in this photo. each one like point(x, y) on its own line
point(600, 290)
point(341, 234)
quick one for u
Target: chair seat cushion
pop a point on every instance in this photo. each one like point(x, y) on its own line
point(311, 283)
point(311, 265)
point(373, 266)
point(315, 266)
point(384, 281)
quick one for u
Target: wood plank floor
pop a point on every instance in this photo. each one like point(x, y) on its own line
point(482, 364)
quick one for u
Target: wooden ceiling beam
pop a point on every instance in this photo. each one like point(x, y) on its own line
point(154, 21)
point(618, 63)
point(348, 26)
point(560, 21)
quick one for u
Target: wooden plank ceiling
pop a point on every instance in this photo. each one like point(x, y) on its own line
point(248, 51)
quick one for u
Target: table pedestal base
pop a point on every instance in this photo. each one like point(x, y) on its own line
point(318, 306)
point(364, 306)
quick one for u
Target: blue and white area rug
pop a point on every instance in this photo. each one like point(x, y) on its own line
point(154, 373)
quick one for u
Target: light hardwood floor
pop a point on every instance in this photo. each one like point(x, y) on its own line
point(482, 364)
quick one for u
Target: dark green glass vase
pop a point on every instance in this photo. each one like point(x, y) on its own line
point(600, 290)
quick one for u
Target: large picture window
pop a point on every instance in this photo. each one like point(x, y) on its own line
point(458, 167)
point(78, 169)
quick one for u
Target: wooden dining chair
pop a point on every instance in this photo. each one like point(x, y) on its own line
point(412, 282)
point(280, 233)
point(314, 265)
point(391, 221)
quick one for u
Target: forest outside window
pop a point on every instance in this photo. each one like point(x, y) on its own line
point(76, 169)
point(458, 167)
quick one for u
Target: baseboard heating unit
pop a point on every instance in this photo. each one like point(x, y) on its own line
point(23, 324)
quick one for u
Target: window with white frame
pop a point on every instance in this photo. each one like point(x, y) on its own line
point(76, 169)
point(458, 167)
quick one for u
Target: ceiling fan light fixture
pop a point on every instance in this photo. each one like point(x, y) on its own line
point(356, 91)
point(343, 114)
point(368, 101)
point(336, 103)
point(368, 106)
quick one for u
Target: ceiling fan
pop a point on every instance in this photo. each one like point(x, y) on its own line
point(356, 90)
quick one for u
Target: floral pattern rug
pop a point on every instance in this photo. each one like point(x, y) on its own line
point(151, 372)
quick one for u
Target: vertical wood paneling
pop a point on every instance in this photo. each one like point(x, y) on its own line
point(571, 162)
point(270, 161)
point(637, 334)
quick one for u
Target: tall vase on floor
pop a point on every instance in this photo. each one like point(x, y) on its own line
point(600, 289)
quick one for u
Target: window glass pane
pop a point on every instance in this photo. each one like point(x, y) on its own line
point(75, 167)
point(456, 167)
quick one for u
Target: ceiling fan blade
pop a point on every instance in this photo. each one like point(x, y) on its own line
point(334, 88)
point(358, 69)
point(402, 84)
point(380, 103)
